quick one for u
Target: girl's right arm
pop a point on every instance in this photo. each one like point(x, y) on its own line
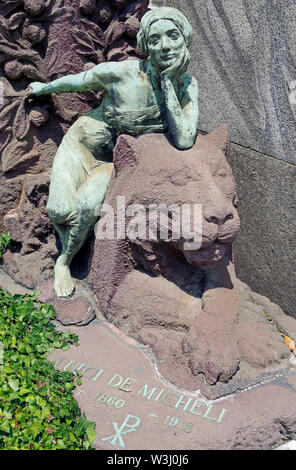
point(99, 77)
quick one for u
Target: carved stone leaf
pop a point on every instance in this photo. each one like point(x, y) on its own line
point(7, 6)
point(3, 57)
point(24, 54)
point(16, 20)
point(51, 5)
point(4, 24)
point(85, 52)
point(8, 49)
point(84, 40)
point(53, 57)
point(21, 123)
point(5, 137)
point(26, 161)
point(5, 114)
point(94, 31)
point(55, 9)
point(117, 55)
point(31, 72)
point(8, 89)
point(122, 45)
point(4, 30)
point(114, 32)
point(12, 154)
point(57, 12)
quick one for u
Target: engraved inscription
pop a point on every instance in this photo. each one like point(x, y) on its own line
point(191, 405)
point(126, 427)
point(113, 401)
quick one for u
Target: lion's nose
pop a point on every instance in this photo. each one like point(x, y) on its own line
point(218, 217)
point(212, 219)
point(229, 216)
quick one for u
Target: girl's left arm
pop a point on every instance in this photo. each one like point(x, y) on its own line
point(182, 115)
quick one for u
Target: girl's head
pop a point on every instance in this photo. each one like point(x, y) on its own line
point(164, 34)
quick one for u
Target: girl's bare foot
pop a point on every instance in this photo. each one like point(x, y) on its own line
point(63, 282)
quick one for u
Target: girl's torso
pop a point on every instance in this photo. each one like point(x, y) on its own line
point(135, 103)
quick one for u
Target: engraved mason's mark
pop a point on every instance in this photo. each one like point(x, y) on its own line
point(130, 424)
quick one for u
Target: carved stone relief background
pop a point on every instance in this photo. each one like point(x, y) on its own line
point(41, 40)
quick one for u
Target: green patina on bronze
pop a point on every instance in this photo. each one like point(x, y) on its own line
point(142, 96)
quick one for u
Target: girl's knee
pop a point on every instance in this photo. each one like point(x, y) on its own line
point(59, 212)
point(95, 135)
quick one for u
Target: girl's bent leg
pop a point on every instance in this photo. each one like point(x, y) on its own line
point(78, 185)
point(77, 225)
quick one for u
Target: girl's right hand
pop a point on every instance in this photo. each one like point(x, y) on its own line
point(37, 88)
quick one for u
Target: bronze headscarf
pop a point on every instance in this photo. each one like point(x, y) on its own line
point(164, 13)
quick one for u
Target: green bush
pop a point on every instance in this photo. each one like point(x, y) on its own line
point(5, 240)
point(37, 407)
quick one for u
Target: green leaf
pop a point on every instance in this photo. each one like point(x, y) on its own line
point(14, 385)
point(5, 427)
point(90, 431)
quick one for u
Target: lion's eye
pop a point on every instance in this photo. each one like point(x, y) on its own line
point(222, 172)
point(235, 201)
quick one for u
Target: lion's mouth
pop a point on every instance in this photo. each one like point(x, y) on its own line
point(206, 257)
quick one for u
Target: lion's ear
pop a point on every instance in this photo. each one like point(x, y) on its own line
point(125, 153)
point(219, 137)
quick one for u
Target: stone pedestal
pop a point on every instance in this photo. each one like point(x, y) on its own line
point(123, 390)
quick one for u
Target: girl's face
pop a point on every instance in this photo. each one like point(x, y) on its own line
point(165, 43)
